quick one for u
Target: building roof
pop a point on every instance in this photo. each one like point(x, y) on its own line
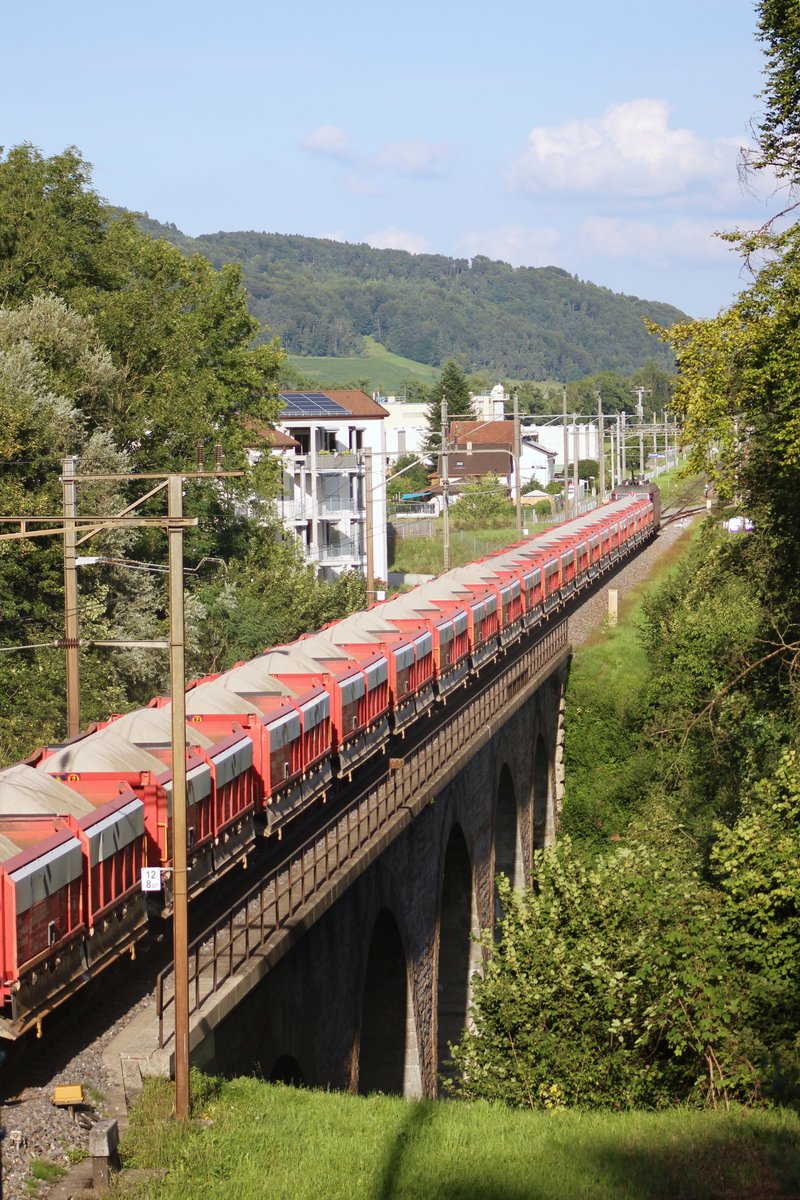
point(482, 433)
point(483, 462)
point(282, 441)
point(357, 403)
point(491, 433)
point(276, 438)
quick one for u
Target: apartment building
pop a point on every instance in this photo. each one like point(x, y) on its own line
point(332, 447)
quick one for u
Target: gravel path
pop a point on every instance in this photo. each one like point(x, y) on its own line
point(35, 1128)
point(69, 1053)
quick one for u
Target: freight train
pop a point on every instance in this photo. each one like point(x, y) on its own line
point(265, 740)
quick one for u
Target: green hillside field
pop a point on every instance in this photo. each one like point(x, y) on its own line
point(383, 371)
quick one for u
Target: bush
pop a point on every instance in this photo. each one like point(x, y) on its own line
point(482, 505)
point(614, 984)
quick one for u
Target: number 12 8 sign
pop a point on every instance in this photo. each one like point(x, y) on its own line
point(151, 879)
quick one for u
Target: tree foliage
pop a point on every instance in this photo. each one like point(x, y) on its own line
point(610, 986)
point(413, 479)
point(483, 504)
point(452, 384)
point(778, 131)
point(123, 352)
point(323, 297)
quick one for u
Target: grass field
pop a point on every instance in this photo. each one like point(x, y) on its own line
point(255, 1139)
point(384, 372)
point(425, 555)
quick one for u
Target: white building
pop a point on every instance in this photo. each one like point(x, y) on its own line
point(493, 405)
point(332, 447)
point(407, 423)
point(551, 436)
point(406, 427)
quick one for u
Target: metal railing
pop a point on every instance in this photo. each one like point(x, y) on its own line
point(247, 929)
point(338, 462)
point(337, 504)
point(340, 550)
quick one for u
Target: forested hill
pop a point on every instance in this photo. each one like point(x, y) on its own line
point(323, 297)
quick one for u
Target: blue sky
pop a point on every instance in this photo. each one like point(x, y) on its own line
point(601, 137)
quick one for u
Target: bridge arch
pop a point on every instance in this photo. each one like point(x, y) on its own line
point(388, 1055)
point(542, 798)
point(286, 1069)
point(507, 843)
point(458, 955)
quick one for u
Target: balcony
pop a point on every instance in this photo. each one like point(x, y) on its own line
point(343, 551)
point(348, 461)
point(337, 506)
point(298, 511)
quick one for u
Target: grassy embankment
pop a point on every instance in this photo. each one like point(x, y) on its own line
point(256, 1139)
point(383, 371)
point(608, 765)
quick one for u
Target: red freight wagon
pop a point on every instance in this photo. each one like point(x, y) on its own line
point(413, 611)
point(116, 908)
point(346, 684)
point(544, 559)
point(98, 765)
point(505, 584)
point(229, 756)
point(531, 577)
point(479, 602)
point(42, 895)
point(409, 655)
point(275, 732)
point(44, 932)
point(284, 710)
point(368, 658)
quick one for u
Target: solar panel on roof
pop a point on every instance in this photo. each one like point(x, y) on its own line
point(311, 404)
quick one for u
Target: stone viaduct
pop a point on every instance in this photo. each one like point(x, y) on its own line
point(370, 994)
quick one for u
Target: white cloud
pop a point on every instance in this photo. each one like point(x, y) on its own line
point(654, 245)
point(398, 239)
point(360, 186)
point(628, 151)
point(421, 160)
point(329, 141)
point(515, 244)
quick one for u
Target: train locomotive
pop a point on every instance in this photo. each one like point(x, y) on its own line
point(266, 740)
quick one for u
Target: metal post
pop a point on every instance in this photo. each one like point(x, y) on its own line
point(180, 914)
point(517, 476)
point(575, 479)
point(623, 465)
point(566, 448)
point(611, 455)
point(71, 626)
point(368, 531)
point(666, 443)
point(641, 454)
point(601, 446)
point(445, 483)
